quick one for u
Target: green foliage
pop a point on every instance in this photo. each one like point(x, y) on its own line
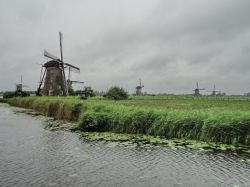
point(207, 119)
point(71, 91)
point(68, 108)
point(228, 127)
point(8, 95)
point(91, 121)
point(231, 127)
point(88, 92)
point(57, 90)
point(116, 93)
point(3, 100)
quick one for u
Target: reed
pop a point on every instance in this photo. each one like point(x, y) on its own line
point(231, 127)
point(67, 109)
point(210, 122)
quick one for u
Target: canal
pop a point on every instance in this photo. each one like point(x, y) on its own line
point(33, 156)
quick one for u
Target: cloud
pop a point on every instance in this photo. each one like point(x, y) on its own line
point(169, 44)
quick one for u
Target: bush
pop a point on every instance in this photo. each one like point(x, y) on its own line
point(8, 95)
point(93, 121)
point(116, 93)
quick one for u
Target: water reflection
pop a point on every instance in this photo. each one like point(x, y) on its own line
point(32, 156)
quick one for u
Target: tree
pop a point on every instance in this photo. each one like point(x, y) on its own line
point(116, 93)
point(88, 92)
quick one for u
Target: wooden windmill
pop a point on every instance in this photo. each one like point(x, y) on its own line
point(53, 77)
point(19, 88)
point(70, 82)
point(197, 90)
point(138, 89)
point(214, 92)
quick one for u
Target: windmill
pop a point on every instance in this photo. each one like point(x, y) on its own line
point(70, 82)
point(53, 76)
point(197, 90)
point(19, 88)
point(214, 91)
point(138, 89)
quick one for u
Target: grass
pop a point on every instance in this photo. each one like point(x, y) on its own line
point(224, 120)
point(61, 108)
point(3, 100)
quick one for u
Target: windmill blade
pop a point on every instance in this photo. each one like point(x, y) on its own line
point(49, 55)
point(72, 68)
point(197, 85)
point(80, 82)
point(202, 89)
point(60, 36)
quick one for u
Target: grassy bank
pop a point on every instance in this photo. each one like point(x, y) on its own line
point(3, 100)
point(207, 120)
point(60, 108)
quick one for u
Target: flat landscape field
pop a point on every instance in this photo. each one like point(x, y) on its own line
point(181, 102)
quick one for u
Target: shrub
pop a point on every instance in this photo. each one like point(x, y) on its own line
point(8, 95)
point(116, 93)
point(93, 121)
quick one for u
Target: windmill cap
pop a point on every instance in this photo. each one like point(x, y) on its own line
point(52, 63)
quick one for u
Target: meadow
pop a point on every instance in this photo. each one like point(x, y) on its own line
point(209, 119)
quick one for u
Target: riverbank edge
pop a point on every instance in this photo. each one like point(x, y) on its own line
point(131, 140)
point(2, 100)
point(133, 120)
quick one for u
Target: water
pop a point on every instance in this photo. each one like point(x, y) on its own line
point(32, 156)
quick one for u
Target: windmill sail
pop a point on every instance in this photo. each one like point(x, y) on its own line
point(72, 68)
point(49, 55)
point(80, 82)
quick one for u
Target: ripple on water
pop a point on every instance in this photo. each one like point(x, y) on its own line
point(32, 156)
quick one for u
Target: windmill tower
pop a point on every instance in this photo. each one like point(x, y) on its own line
point(19, 88)
point(53, 77)
point(138, 89)
point(214, 91)
point(197, 90)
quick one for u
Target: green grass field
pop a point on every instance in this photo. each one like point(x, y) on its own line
point(182, 102)
point(225, 120)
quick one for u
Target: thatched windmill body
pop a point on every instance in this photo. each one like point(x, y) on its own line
point(138, 89)
point(197, 90)
point(53, 77)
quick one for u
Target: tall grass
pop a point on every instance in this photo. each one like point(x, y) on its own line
point(68, 109)
point(230, 125)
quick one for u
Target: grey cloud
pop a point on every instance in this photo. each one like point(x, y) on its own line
point(169, 44)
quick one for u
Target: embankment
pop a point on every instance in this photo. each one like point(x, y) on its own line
point(2, 100)
point(225, 126)
point(66, 109)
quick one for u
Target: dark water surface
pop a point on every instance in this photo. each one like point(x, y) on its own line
point(32, 156)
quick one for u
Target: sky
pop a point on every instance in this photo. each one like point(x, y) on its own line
point(169, 44)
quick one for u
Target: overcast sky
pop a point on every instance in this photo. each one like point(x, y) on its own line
point(169, 44)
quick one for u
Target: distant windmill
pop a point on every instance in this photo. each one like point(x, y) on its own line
point(214, 92)
point(70, 82)
point(138, 89)
point(197, 90)
point(19, 88)
point(53, 76)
